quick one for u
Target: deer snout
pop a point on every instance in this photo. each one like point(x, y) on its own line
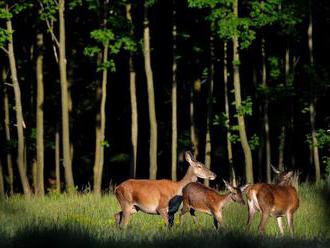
point(213, 176)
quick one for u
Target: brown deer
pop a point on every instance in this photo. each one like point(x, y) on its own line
point(162, 197)
point(276, 200)
point(198, 197)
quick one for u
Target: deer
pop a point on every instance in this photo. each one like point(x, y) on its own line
point(275, 200)
point(160, 197)
point(198, 197)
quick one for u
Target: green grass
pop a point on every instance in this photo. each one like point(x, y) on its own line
point(87, 221)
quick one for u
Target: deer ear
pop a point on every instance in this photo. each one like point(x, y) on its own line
point(244, 187)
point(228, 186)
point(188, 156)
point(288, 175)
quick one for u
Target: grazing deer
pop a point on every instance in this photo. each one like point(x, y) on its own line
point(162, 197)
point(198, 197)
point(276, 200)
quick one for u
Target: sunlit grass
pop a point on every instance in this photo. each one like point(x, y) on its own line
point(86, 220)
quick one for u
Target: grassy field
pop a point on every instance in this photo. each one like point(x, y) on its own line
point(87, 221)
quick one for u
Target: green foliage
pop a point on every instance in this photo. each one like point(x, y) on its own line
point(120, 157)
point(91, 51)
point(105, 143)
point(254, 142)
point(323, 138)
point(220, 120)
point(275, 67)
point(246, 107)
point(5, 14)
point(103, 35)
point(4, 37)
point(49, 10)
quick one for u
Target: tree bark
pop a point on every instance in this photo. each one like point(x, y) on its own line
point(265, 112)
point(65, 102)
point(174, 101)
point(19, 113)
point(8, 136)
point(238, 101)
point(40, 190)
point(209, 110)
point(193, 132)
point(151, 98)
point(134, 110)
point(312, 104)
point(100, 127)
point(2, 183)
point(57, 161)
point(227, 112)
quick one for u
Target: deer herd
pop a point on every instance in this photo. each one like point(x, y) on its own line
point(164, 198)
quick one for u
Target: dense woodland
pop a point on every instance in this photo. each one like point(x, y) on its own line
point(95, 92)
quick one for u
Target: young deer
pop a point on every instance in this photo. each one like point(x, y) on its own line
point(276, 200)
point(162, 197)
point(198, 197)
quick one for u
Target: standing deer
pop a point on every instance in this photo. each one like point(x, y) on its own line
point(276, 200)
point(162, 197)
point(198, 197)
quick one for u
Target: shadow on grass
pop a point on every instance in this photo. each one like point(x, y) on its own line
point(61, 237)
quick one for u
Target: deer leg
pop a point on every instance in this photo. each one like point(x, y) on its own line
point(264, 218)
point(118, 217)
point(280, 224)
point(163, 212)
point(251, 212)
point(289, 217)
point(184, 210)
point(217, 219)
point(192, 213)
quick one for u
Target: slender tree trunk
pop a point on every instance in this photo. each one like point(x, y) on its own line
point(282, 137)
point(57, 161)
point(2, 183)
point(134, 110)
point(312, 104)
point(227, 112)
point(100, 128)
point(174, 101)
point(19, 113)
point(265, 112)
point(40, 190)
point(193, 131)
point(8, 136)
point(151, 98)
point(238, 101)
point(65, 102)
point(209, 110)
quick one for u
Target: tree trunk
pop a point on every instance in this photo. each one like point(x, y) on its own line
point(151, 98)
point(19, 113)
point(57, 161)
point(265, 112)
point(193, 132)
point(100, 127)
point(174, 101)
point(8, 136)
point(2, 184)
point(227, 112)
point(65, 102)
point(209, 110)
point(238, 101)
point(134, 110)
point(40, 190)
point(312, 104)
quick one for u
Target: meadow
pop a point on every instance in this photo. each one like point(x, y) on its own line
point(84, 220)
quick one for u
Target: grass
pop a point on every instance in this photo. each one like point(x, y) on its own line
point(87, 221)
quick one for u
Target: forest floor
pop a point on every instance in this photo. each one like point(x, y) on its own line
point(85, 220)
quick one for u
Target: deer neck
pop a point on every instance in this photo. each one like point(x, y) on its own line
point(188, 178)
point(226, 200)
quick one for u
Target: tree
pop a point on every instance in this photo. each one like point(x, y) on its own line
point(7, 133)
point(48, 10)
point(134, 109)
point(151, 96)
point(40, 117)
point(7, 37)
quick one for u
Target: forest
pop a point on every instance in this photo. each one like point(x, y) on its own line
point(96, 92)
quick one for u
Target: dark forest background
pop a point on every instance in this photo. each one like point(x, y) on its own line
point(295, 88)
